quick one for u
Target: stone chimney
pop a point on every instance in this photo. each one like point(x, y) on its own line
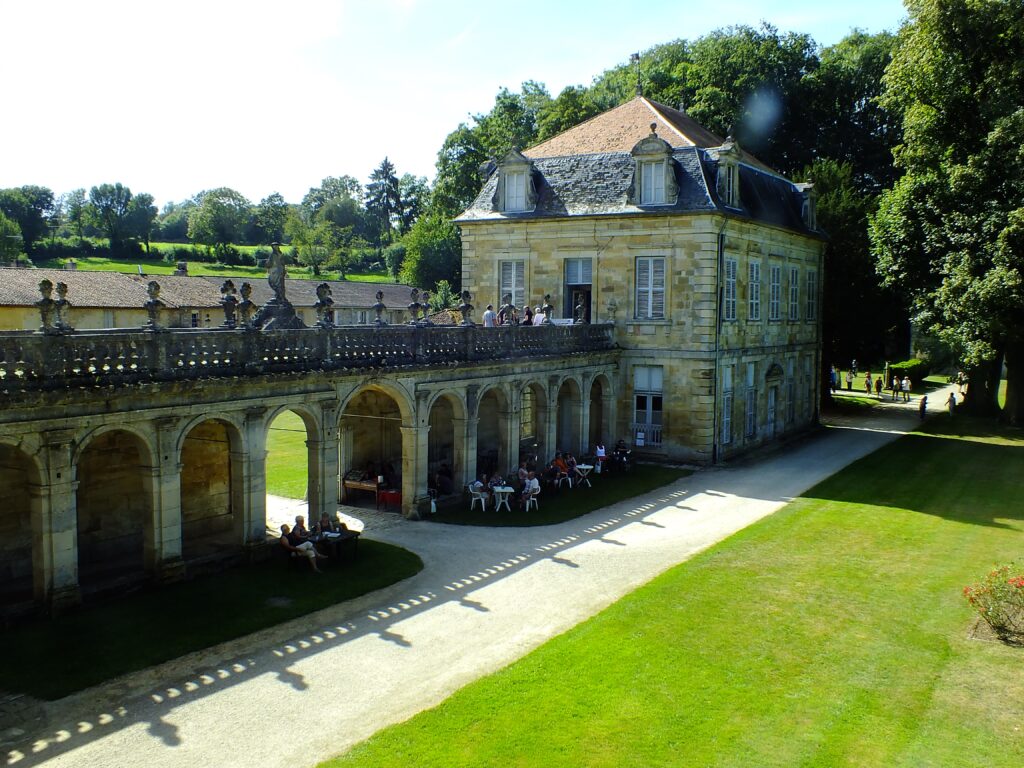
point(181, 270)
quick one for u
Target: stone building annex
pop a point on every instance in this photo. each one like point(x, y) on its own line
point(680, 279)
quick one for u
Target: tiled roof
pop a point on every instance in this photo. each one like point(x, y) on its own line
point(302, 293)
point(116, 290)
point(620, 128)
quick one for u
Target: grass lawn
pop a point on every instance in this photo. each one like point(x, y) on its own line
point(96, 643)
point(287, 457)
point(568, 504)
point(833, 633)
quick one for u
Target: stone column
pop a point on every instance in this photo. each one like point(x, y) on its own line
point(508, 453)
point(584, 409)
point(346, 441)
point(163, 530)
point(465, 452)
point(325, 464)
point(55, 527)
point(249, 482)
point(551, 428)
point(608, 426)
point(415, 449)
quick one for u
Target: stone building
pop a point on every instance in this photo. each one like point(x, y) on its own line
point(707, 262)
point(116, 300)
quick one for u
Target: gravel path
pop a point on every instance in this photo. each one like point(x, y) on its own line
point(304, 691)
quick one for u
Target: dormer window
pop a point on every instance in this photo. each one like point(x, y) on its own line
point(516, 192)
point(729, 174)
point(808, 205)
point(654, 180)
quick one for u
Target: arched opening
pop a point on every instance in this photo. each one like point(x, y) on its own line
point(211, 501)
point(533, 420)
point(287, 465)
point(371, 447)
point(114, 512)
point(492, 434)
point(443, 458)
point(569, 414)
point(18, 479)
point(598, 418)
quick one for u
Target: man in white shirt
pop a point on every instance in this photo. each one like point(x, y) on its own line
point(531, 486)
point(489, 317)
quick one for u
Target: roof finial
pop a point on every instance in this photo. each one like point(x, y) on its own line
point(634, 58)
point(654, 129)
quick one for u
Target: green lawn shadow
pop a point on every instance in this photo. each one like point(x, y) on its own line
point(51, 658)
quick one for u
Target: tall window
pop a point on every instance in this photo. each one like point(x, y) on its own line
point(812, 295)
point(647, 392)
point(515, 191)
point(750, 427)
point(526, 414)
point(794, 293)
point(729, 310)
point(809, 387)
point(650, 287)
point(754, 292)
point(513, 281)
point(728, 184)
point(727, 405)
point(579, 275)
point(652, 182)
point(774, 292)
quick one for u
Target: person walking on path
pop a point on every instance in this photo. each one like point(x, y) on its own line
point(878, 386)
point(905, 388)
point(895, 386)
point(849, 381)
point(951, 403)
point(923, 406)
point(867, 383)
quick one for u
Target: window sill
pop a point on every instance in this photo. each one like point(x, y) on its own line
point(649, 321)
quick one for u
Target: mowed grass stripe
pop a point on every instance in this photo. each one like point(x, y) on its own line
point(830, 634)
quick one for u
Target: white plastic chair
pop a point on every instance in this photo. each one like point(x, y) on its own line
point(474, 497)
point(563, 478)
point(532, 501)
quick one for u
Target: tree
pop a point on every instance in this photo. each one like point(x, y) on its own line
point(572, 107)
point(414, 197)
point(394, 257)
point(458, 171)
point(141, 215)
point(172, 223)
point(948, 234)
point(271, 215)
point(76, 208)
point(383, 202)
point(433, 252)
point(10, 239)
point(511, 123)
point(330, 188)
point(30, 207)
point(218, 219)
point(109, 206)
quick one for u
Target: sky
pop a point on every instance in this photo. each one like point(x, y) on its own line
point(175, 98)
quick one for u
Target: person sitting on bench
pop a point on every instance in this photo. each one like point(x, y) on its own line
point(299, 548)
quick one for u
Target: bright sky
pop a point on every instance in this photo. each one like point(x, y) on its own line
point(174, 98)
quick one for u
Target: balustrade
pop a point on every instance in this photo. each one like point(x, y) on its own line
point(32, 361)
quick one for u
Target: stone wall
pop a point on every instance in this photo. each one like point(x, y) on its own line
point(112, 505)
point(206, 482)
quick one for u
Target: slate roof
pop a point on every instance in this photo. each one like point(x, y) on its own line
point(116, 290)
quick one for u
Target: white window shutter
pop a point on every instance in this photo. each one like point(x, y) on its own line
point(643, 287)
point(658, 288)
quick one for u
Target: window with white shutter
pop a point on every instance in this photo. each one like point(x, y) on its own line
point(794, 293)
point(652, 182)
point(650, 288)
point(751, 404)
point(754, 291)
point(774, 292)
point(513, 281)
point(727, 404)
point(729, 310)
point(812, 295)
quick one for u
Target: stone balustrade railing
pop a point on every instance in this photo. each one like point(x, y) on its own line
point(37, 361)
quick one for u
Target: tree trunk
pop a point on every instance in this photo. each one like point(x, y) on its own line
point(1013, 411)
point(983, 388)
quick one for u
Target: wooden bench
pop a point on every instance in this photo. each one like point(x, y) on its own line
point(359, 485)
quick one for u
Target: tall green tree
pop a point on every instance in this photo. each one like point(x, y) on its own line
point(10, 239)
point(384, 202)
point(458, 171)
point(219, 218)
point(76, 209)
point(331, 188)
point(572, 106)
point(30, 207)
point(141, 217)
point(109, 206)
point(948, 233)
point(271, 215)
point(433, 252)
point(414, 194)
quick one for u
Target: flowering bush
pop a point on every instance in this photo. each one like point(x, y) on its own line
point(999, 598)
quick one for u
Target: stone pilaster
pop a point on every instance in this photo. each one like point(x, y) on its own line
point(163, 529)
point(250, 494)
point(415, 449)
point(55, 528)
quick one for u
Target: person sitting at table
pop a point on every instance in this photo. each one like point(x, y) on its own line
point(531, 486)
point(522, 474)
point(495, 481)
point(300, 528)
point(480, 486)
point(562, 467)
point(570, 464)
point(600, 454)
point(298, 547)
point(326, 525)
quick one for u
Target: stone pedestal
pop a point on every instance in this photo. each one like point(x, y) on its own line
point(278, 315)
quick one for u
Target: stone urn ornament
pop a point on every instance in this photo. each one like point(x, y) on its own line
point(547, 309)
point(425, 307)
point(247, 307)
point(414, 305)
point(47, 307)
point(62, 307)
point(324, 306)
point(153, 306)
point(379, 308)
point(466, 309)
point(229, 303)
